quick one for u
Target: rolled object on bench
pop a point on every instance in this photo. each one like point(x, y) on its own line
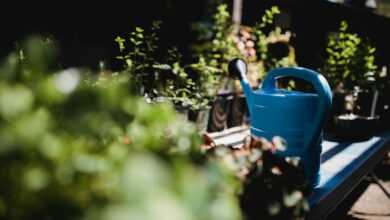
point(297, 117)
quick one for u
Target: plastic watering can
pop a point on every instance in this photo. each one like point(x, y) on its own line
point(297, 117)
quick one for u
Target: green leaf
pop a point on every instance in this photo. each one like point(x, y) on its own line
point(15, 101)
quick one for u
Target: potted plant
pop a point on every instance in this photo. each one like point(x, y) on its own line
point(253, 44)
point(350, 68)
point(161, 76)
point(214, 49)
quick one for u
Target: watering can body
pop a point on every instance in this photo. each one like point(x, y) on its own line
point(297, 117)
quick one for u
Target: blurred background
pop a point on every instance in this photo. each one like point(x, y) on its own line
point(89, 29)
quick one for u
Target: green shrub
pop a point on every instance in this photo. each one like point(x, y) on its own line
point(76, 147)
point(217, 46)
point(158, 74)
point(350, 60)
point(220, 43)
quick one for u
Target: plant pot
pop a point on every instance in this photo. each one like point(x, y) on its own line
point(200, 118)
point(237, 111)
point(338, 102)
point(219, 112)
point(182, 111)
point(364, 101)
point(383, 110)
point(355, 127)
point(361, 104)
point(384, 123)
point(338, 108)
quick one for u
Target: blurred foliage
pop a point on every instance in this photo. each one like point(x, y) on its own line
point(221, 41)
point(80, 145)
point(383, 7)
point(273, 187)
point(159, 74)
point(76, 146)
point(350, 61)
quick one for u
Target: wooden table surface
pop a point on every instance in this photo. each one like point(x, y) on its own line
point(344, 164)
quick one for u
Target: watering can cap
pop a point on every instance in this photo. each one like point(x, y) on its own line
point(237, 68)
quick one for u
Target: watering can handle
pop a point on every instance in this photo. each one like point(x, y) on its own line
point(320, 85)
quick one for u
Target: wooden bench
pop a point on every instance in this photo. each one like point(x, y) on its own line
point(343, 166)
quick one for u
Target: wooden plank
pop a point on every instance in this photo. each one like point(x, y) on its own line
point(232, 136)
point(343, 171)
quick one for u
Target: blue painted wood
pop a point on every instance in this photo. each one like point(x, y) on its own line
point(343, 166)
point(335, 167)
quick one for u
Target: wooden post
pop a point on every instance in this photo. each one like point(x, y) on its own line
point(237, 14)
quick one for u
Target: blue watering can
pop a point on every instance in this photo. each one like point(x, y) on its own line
point(297, 117)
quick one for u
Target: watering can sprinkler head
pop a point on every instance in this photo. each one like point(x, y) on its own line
point(237, 68)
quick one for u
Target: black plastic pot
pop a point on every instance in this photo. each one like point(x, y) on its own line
point(238, 109)
point(182, 111)
point(383, 110)
point(357, 128)
point(364, 103)
point(219, 112)
point(338, 108)
point(338, 103)
point(200, 117)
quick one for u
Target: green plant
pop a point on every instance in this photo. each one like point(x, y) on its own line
point(158, 74)
point(223, 48)
point(271, 43)
point(216, 49)
point(80, 147)
point(208, 79)
point(350, 60)
point(253, 44)
point(259, 31)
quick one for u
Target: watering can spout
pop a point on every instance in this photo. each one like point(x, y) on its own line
point(238, 69)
